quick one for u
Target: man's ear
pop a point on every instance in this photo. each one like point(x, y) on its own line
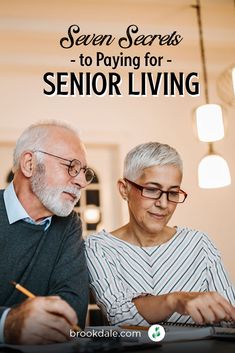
point(123, 189)
point(26, 164)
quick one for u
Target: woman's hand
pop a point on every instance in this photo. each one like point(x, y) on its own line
point(203, 307)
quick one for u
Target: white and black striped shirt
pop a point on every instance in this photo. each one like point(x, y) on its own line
point(120, 271)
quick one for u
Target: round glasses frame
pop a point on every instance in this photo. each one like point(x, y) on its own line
point(180, 193)
point(74, 167)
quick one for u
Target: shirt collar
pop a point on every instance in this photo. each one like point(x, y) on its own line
point(16, 212)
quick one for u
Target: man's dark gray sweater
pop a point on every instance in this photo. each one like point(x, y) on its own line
point(50, 262)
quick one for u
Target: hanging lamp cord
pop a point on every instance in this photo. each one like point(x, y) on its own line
point(202, 50)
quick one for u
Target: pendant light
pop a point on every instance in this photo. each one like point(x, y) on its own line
point(213, 170)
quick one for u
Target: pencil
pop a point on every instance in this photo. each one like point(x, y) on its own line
point(31, 295)
point(23, 290)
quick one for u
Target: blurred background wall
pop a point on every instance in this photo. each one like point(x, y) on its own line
point(30, 32)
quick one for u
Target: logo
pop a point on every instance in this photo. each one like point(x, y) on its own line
point(156, 333)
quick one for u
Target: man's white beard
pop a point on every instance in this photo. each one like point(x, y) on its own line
point(50, 196)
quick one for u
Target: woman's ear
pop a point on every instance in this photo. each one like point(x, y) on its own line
point(123, 188)
point(26, 164)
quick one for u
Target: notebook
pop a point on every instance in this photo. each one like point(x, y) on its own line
point(186, 332)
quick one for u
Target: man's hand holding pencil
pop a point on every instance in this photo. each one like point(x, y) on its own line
point(39, 320)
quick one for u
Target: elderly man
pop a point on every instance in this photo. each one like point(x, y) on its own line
point(40, 240)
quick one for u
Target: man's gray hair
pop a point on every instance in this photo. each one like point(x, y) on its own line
point(148, 155)
point(34, 138)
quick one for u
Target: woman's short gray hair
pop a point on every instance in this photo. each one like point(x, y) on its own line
point(148, 155)
point(34, 138)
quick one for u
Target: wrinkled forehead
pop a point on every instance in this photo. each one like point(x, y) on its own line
point(65, 143)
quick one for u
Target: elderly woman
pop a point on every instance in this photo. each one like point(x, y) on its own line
point(146, 271)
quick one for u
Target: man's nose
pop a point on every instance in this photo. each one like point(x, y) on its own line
point(80, 179)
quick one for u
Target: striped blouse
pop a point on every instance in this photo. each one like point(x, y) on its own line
point(120, 271)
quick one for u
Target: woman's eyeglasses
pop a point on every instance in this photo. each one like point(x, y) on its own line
point(155, 193)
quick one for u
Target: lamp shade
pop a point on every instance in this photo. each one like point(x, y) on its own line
point(210, 126)
point(213, 172)
point(91, 214)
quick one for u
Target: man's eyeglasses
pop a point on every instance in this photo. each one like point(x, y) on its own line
point(74, 167)
point(156, 194)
